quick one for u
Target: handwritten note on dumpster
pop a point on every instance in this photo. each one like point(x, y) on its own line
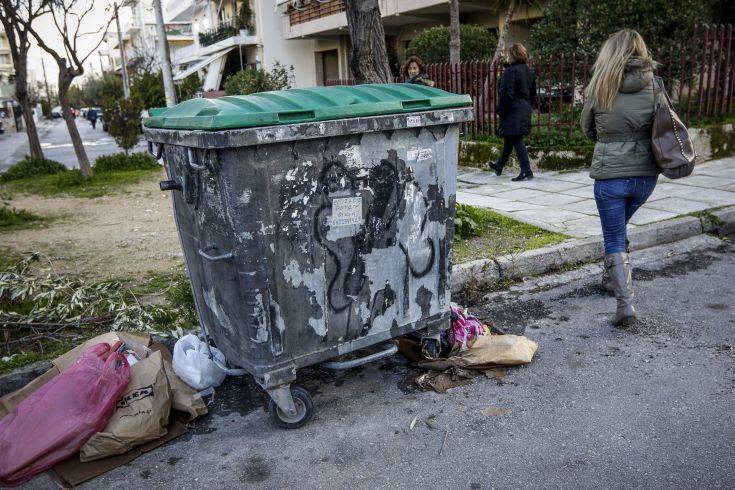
point(346, 211)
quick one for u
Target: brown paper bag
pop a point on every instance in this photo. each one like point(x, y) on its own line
point(141, 414)
point(489, 351)
point(503, 350)
point(184, 397)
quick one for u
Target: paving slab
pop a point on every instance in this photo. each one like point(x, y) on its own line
point(554, 199)
point(677, 205)
point(549, 185)
point(715, 197)
point(586, 206)
point(480, 200)
point(647, 214)
point(553, 216)
point(587, 192)
point(490, 189)
point(478, 177)
point(509, 206)
point(520, 194)
point(697, 180)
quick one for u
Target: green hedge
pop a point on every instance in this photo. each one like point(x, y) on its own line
point(31, 167)
point(123, 161)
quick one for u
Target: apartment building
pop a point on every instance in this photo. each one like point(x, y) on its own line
point(7, 72)
point(310, 35)
point(139, 36)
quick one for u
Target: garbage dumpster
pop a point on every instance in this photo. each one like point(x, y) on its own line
point(314, 222)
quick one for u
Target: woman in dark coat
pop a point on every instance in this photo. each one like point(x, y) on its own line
point(516, 98)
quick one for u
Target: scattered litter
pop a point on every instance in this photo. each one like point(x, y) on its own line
point(494, 411)
point(200, 365)
point(413, 423)
point(496, 373)
point(151, 409)
point(57, 419)
point(489, 352)
point(431, 423)
point(465, 328)
point(469, 347)
point(444, 441)
point(441, 381)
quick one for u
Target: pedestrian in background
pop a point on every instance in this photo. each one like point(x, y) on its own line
point(413, 71)
point(92, 116)
point(516, 99)
point(618, 115)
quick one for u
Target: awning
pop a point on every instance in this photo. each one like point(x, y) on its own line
point(201, 64)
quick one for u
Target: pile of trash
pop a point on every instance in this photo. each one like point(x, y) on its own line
point(103, 404)
point(468, 348)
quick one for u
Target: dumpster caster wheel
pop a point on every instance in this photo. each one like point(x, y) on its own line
point(304, 410)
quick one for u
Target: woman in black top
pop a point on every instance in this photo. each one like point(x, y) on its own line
point(413, 72)
point(516, 98)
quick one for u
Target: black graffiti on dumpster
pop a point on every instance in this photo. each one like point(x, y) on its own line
point(387, 181)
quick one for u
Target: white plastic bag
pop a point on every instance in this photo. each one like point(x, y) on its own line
point(193, 364)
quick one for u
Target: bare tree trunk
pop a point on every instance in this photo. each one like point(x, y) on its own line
point(504, 31)
point(454, 37)
point(19, 52)
point(368, 56)
point(65, 79)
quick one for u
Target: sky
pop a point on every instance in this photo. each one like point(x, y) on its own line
point(96, 18)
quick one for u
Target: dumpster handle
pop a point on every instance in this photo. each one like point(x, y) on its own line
point(159, 150)
point(193, 158)
point(391, 349)
point(214, 258)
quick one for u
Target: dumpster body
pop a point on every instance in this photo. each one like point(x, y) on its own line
point(307, 240)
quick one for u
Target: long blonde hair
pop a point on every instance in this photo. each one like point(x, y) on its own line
point(607, 72)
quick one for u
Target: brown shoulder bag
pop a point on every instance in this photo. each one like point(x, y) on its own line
point(672, 147)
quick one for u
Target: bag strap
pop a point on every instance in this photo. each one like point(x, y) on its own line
point(657, 93)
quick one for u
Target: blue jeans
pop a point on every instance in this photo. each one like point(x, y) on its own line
point(617, 200)
point(511, 143)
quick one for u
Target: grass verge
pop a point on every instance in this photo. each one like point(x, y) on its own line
point(44, 314)
point(13, 219)
point(499, 235)
point(74, 184)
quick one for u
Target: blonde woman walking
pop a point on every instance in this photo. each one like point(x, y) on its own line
point(618, 114)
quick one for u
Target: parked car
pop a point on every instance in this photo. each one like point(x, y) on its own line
point(548, 96)
point(84, 110)
point(56, 112)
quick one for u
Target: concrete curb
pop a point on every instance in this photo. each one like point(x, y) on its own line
point(18, 378)
point(486, 272)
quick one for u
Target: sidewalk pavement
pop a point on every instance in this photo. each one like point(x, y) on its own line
point(564, 201)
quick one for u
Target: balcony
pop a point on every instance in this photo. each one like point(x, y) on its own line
point(224, 30)
point(313, 10)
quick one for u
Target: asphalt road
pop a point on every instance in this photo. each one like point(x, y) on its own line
point(651, 406)
point(57, 145)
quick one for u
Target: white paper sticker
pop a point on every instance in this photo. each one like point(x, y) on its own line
point(346, 211)
point(419, 154)
point(413, 121)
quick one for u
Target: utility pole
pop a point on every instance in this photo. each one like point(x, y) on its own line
point(126, 82)
point(45, 81)
point(164, 55)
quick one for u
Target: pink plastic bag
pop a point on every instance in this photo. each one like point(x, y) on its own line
point(58, 418)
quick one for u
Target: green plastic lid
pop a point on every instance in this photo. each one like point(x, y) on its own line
point(301, 105)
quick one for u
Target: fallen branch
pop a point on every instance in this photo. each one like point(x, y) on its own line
point(82, 321)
